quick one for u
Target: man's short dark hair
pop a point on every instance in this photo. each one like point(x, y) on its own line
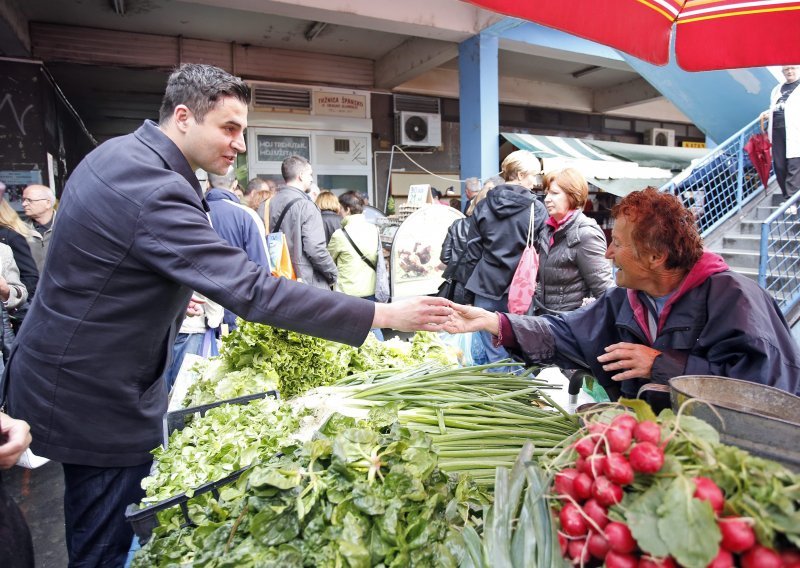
point(200, 87)
point(256, 184)
point(293, 166)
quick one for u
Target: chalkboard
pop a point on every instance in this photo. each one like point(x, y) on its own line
point(276, 148)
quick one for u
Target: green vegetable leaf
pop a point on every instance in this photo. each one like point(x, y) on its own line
point(642, 517)
point(688, 526)
point(640, 407)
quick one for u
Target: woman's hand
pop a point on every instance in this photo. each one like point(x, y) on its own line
point(18, 435)
point(469, 318)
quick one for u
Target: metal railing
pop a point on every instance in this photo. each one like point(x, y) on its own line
point(779, 261)
point(718, 186)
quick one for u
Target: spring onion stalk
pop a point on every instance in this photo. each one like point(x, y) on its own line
point(478, 420)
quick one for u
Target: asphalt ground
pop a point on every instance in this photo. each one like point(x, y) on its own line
point(40, 495)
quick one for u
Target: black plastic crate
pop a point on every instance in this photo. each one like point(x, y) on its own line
point(177, 419)
point(144, 520)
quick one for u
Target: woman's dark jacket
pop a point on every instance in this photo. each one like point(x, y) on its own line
point(331, 221)
point(453, 255)
point(574, 267)
point(497, 238)
point(28, 273)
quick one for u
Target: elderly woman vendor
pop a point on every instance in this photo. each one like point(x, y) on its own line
point(677, 310)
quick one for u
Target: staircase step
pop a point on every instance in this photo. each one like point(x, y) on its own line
point(778, 282)
point(753, 242)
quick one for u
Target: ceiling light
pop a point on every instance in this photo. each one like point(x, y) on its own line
point(313, 30)
point(585, 71)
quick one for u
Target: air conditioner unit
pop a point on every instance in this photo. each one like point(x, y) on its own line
point(418, 129)
point(659, 137)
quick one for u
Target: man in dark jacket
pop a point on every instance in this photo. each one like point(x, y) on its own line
point(677, 310)
point(132, 242)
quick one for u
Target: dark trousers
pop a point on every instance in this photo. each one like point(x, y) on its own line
point(787, 170)
point(95, 499)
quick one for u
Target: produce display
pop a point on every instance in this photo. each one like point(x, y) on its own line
point(365, 494)
point(663, 491)
point(229, 437)
point(256, 358)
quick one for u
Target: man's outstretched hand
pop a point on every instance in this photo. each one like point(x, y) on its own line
point(423, 313)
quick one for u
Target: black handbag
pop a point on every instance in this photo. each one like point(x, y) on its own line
point(447, 289)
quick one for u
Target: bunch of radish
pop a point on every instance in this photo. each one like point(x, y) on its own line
point(617, 457)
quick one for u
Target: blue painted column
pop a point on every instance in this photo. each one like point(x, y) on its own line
point(479, 107)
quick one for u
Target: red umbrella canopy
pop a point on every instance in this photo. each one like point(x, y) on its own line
point(709, 34)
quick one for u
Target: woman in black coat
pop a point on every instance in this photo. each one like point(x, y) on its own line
point(498, 235)
point(12, 233)
point(329, 206)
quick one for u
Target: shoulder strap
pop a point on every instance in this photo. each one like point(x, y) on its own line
point(361, 254)
point(283, 213)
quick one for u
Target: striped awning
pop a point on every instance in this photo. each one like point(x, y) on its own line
point(558, 147)
point(612, 174)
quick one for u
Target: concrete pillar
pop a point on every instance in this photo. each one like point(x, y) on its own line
point(479, 107)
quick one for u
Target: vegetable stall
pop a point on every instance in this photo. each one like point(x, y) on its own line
point(392, 454)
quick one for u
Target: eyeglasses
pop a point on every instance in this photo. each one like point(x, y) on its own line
point(28, 200)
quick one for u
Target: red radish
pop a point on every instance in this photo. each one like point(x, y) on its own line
point(626, 421)
point(597, 427)
point(619, 538)
point(562, 543)
point(647, 431)
point(650, 562)
point(617, 560)
point(737, 535)
point(605, 492)
point(619, 439)
point(761, 557)
point(723, 559)
point(707, 490)
point(790, 558)
point(563, 482)
point(582, 487)
point(578, 551)
point(645, 457)
point(598, 545)
point(618, 470)
point(572, 521)
point(593, 465)
point(596, 512)
point(586, 445)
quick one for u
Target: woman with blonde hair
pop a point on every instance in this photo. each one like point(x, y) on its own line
point(328, 205)
point(498, 234)
point(572, 247)
point(13, 232)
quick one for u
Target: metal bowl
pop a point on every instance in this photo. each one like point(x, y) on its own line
point(762, 420)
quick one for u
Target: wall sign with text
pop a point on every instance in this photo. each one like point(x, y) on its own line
point(276, 148)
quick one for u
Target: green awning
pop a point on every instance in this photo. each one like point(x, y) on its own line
point(668, 157)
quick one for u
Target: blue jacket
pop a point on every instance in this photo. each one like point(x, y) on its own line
point(131, 243)
point(717, 323)
point(239, 228)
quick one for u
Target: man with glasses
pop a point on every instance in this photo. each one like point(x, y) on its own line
point(38, 202)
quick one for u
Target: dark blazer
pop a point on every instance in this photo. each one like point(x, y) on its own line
point(497, 238)
point(132, 241)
